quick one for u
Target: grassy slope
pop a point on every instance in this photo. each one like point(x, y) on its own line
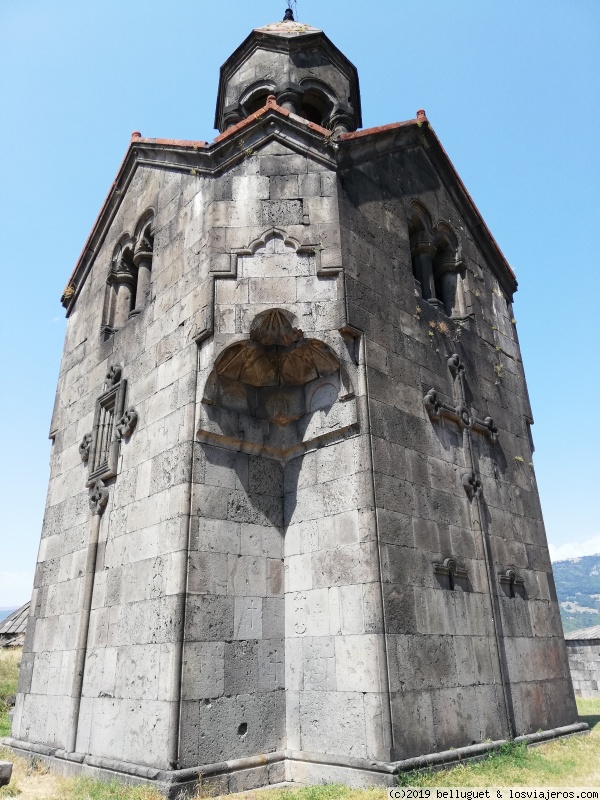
point(10, 658)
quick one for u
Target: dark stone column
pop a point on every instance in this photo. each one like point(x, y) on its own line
point(423, 252)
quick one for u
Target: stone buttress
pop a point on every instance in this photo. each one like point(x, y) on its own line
point(292, 529)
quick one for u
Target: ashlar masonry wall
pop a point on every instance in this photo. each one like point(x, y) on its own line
point(584, 664)
point(473, 663)
point(292, 558)
point(131, 680)
point(284, 558)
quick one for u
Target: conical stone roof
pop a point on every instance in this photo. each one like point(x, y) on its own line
point(287, 29)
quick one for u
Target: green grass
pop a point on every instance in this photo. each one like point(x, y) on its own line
point(89, 789)
point(10, 658)
point(589, 711)
point(574, 761)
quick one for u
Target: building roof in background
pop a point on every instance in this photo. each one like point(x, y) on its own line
point(583, 633)
point(16, 622)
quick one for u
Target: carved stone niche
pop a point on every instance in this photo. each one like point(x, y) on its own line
point(277, 393)
point(512, 583)
point(451, 576)
point(104, 448)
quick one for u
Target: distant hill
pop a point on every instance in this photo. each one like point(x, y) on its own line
point(578, 589)
point(5, 612)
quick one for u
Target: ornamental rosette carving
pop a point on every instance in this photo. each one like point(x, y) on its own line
point(492, 430)
point(84, 447)
point(455, 365)
point(463, 416)
point(98, 497)
point(432, 404)
point(126, 425)
point(113, 376)
point(471, 484)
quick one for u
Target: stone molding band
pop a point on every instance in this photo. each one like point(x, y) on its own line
point(174, 779)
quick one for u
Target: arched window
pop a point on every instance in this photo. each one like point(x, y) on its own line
point(257, 101)
point(142, 257)
point(422, 251)
point(317, 102)
point(120, 286)
point(436, 268)
point(254, 98)
point(447, 271)
point(128, 282)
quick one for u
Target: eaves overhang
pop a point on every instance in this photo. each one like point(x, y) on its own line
point(274, 123)
point(270, 123)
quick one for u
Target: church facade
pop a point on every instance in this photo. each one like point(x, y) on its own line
point(292, 529)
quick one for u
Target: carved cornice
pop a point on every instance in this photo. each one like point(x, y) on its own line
point(276, 124)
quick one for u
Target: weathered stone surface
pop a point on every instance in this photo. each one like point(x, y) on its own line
point(322, 534)
point(583, 650)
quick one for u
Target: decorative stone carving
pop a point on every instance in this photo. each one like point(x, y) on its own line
point(450, 568)
point(113, 376)
point(125, 426)
point(459, 413)
point(433, 405)
point(98, 497)
point(300, 613)
point(509, 579)
point(105, 438)
point(463, 417)
point(471, 484)
point(449, 565)
point(84, 447)
point(267, 373)
point(143, 249)
point(492, 430)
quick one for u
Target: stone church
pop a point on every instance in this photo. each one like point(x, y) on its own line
point(292, 530)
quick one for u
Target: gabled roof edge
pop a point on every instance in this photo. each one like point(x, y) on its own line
point(441, 160)
point(453, 179)
point(481, 221)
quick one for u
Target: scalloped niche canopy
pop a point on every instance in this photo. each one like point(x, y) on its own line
point(277, 390)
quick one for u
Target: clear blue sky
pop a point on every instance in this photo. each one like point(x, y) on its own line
point(510, 86)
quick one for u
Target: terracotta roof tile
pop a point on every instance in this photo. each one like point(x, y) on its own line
point(173, 142)
point(345, 137)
